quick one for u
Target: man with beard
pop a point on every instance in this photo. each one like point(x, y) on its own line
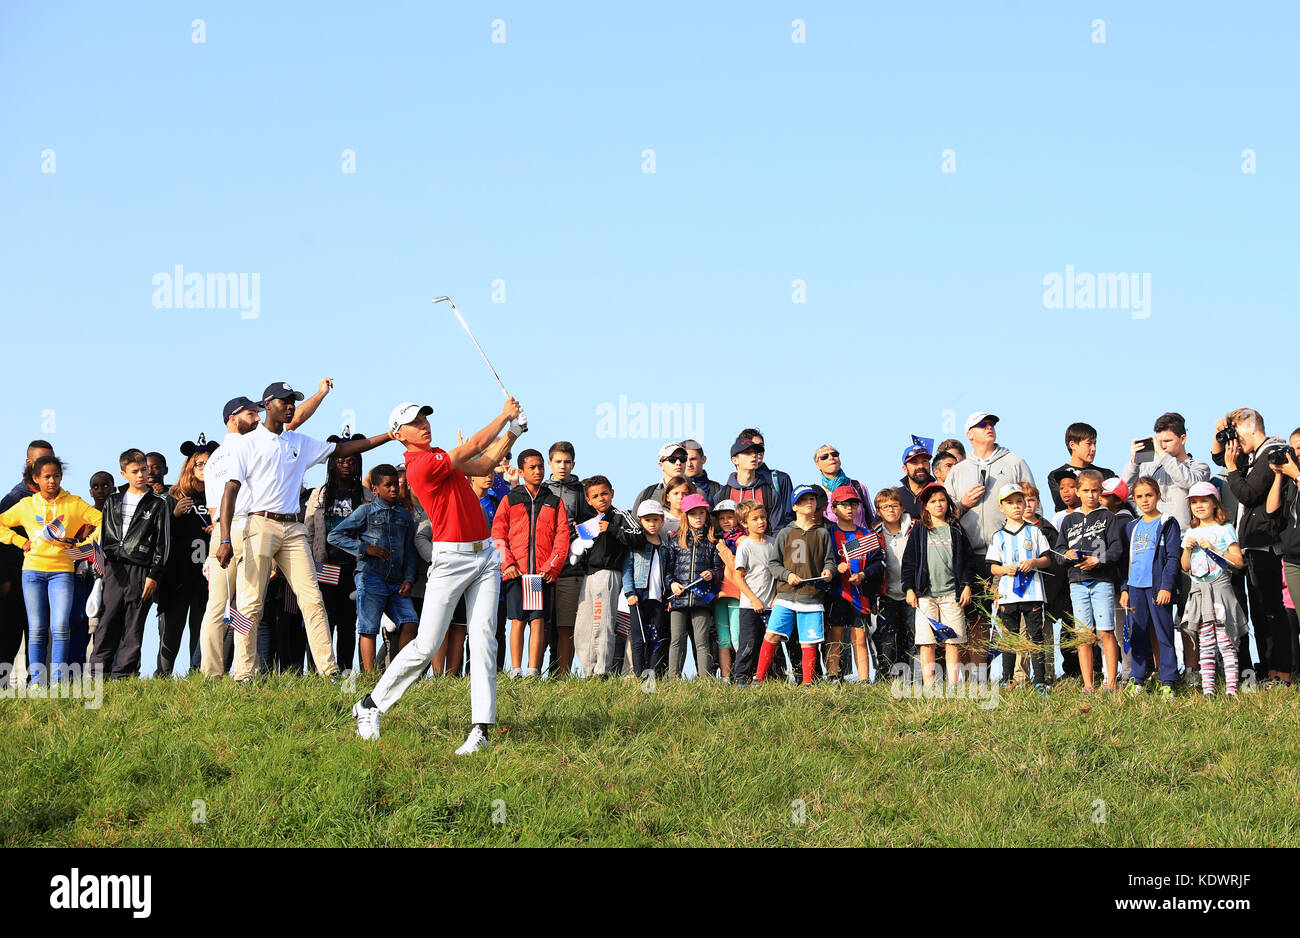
point(916, 476)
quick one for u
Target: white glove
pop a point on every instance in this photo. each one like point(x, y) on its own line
point(519, 425)
point(579, 547)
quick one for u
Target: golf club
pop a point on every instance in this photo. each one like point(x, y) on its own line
point(447, 300)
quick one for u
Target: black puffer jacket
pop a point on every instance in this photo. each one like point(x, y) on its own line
point(1257, 530)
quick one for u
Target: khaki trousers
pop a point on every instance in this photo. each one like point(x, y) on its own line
point(280, 544)
point(212, 634)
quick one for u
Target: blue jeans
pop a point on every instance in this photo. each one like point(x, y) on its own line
point(1094, 605)
point(48, 597)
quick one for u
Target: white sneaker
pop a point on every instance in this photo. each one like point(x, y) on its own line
point(477, 740)
point(367, 721)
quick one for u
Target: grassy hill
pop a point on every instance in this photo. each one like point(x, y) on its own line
point(695, 764)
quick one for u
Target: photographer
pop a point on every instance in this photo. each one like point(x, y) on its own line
point(1284, 496)
point(1241, 447)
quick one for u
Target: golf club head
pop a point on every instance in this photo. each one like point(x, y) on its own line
point(442, 299)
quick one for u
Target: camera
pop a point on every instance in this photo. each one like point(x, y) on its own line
point(1279, 456)
point(1226, 435)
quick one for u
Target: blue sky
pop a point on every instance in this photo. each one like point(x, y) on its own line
point(775, 161)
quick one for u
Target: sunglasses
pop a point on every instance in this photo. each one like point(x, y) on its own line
point(984, 425)
point(833, 454)
point(673, 459)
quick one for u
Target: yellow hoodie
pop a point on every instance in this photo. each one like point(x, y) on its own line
point(33, 513)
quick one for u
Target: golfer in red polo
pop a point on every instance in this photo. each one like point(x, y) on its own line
point(464, 561)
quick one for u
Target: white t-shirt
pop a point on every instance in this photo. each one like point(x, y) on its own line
point(273, 465)
point(753, 558)
point(1204, 567)
point(218, 472)
point(129, 504)
point(1009, 550)
point(655, 587)
point(895, 544)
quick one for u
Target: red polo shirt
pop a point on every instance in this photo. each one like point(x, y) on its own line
point(446, 496)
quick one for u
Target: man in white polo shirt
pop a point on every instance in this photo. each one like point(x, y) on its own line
point(241, 417)
point(270, 462)
point(464, 562)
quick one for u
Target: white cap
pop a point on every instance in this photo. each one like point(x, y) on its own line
point(404, 413)
point(668, 449)
point(1008, 490)
point(649, 507)
point(725, 505)
point(979, 417)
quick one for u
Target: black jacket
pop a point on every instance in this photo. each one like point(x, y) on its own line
point(609, 550)
point(574, 497)
point(146, 543)
point(1257, 530)
point(189, 545)
point(916, 559)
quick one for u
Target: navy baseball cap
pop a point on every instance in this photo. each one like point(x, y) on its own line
point(744, 443)
point(237, 404)
point(914, 449)
point(280, 390)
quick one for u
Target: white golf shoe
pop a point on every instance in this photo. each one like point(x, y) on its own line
point(367, 721)
point(476, 741)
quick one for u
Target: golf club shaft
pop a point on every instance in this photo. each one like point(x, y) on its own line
point(470, 333)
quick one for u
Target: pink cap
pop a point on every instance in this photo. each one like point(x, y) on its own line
point(691, 502)
point(1203, 490)
point(1115, 487)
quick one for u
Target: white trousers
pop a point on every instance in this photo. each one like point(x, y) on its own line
point(451, 573)
point(593, 630)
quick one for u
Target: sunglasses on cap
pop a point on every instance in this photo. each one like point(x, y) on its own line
point(833, 454)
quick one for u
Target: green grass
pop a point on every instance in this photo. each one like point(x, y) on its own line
point(694, 764)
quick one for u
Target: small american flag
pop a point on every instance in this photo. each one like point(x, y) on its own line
point(328, 573)
point(532, 583)
point(82, 551)
point(54, 531)
point(623, 623)
point(238, 621)
point(857, 548)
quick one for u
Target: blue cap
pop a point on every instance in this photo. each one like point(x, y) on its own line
point(235, 405)
point(913, 449)
point(281, 391)
point(800, 491)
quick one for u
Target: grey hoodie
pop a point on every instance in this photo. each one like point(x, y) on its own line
point(1174, 479)
point(983, 519)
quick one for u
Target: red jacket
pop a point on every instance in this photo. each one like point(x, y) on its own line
point(532, 531)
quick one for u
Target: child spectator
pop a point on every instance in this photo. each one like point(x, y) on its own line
point(1093, 544)
point(345, 490)
point(101, 484)
point(381, 535)
point(1209, 548)
point(895, 637)
point(674, 491)
point(644, 571)
point(1114, 498)
point(136, 536)
point(594, 634)
point(1056, 587)
point(938, 570)
point(1017, 554)
point(54, 521)
point(1068, 491)
point(1148, 590)
point(755, 555)
point(726, 608)
point(184, 595)
point(804, 568)
point(692, 556)
point(860, 564)
point(531, 531)
point(567, 487)
point(1081, 443)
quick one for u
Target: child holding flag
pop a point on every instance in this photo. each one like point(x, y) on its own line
point(803, 569)
point(643, 587)
point(1210, 554)
point(860, 563)
point(612, 534)
point(938, 570)
point(1017, 552)
point(726, 608)
point(1148, 591)
point(49, 559)
point(693, 574)
point(895, 630)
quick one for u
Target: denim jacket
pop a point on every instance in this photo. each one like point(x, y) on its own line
point(636, 570)
point(381, 525)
